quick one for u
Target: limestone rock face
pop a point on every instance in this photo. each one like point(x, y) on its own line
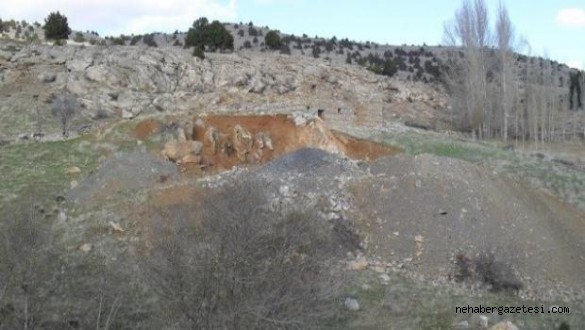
point(130, 81)
point(243, 143)
point(181, 151)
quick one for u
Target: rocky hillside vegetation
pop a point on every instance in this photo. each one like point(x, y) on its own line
point(278, 181)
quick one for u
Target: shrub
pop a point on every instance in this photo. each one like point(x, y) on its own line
point(272, 40)
point(390, 68)
point(329, 46)
point(56, 27)
point(285, 49)
point(241, 33)
point(149, 40)
point(46, 287)
point(252, 31)
point(118, 41)
point(255, 40)
point(231, 263)
point(198, 52)
point(316, 51)
point(247, 44)
point(214, 36)
point(498, 275)
point(79, 37)
point(135, 39)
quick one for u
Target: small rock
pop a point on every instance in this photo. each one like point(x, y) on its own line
point(418, 238)
point(47, 77)
point(284, 190)
point(385, 278)
point(85, 248)
point(116, 227)
point(73, 184)
point(352, 304)
point(191, 159)
point(73, 170)
point(379, 269)
point(358, 265)
point(127, 114)
point(333, 216)
point(504, 326)
point(396, 233)
point(268, 142)
point(62, 217)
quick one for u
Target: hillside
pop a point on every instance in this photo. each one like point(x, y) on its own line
point(282, 188)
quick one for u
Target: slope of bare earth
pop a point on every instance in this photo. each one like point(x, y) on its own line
point(427, 209)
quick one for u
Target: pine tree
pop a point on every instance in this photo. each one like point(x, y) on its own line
point(56, 27)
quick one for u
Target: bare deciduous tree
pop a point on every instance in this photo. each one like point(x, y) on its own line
point(64, 107)
point(505, 40)
point(467, 74)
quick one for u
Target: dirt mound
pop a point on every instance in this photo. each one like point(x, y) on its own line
point(307, 161)
point(427, 209)
point(235, 140)
point(122, 172)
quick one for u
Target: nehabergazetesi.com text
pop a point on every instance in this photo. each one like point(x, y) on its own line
point(501, 310)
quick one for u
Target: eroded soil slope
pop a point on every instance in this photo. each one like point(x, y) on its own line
point(221, 142)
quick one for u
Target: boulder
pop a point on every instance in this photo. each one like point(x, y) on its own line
point(191, 159)
point(258, 86)
point(47, 77)
point(352, 304)
point(358, 265)
point(178, 150)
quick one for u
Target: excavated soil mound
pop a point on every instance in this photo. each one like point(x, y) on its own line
point(427, 209)
point(235, 140)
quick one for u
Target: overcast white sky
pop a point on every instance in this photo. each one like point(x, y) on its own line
point(553, 27)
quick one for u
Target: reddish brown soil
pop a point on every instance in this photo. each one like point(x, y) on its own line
point(355, 148)
point(152, 216)
point(146, 128)
point(286, 137)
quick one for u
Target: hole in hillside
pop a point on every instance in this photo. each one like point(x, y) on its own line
point(221, 142)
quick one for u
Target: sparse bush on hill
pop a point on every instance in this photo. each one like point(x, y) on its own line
point(272, 40)
point(56, 27)
point(79, 37)
point(135, 39)
point(253, 32)
point(241, 33)
point(498, 275)
point(149, 40)
point(285, 49)
point(316, 51)
point(118, 41)
point(198, 52)
point(247, 44)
